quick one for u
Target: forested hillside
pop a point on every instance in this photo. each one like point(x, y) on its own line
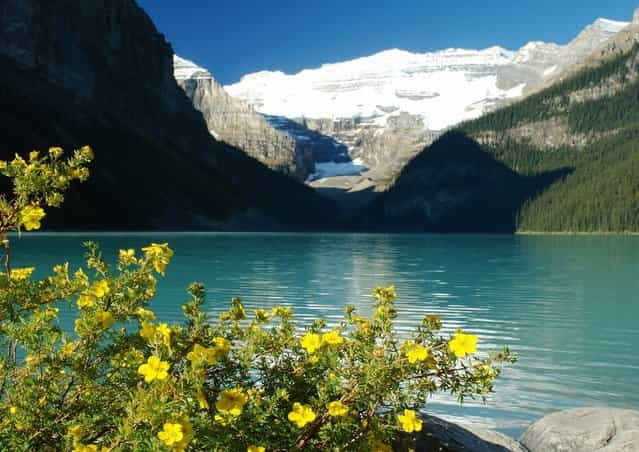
point(582, 134)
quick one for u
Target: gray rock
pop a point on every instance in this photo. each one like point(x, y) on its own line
point(585, 430)
point(234, 122)
point(440, 435)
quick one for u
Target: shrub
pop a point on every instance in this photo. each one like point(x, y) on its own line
point(123, 380)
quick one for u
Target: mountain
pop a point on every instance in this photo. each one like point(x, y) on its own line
point(454, 186)
point(563, 159)
point(620, 43)
point(234, 122)
point(99, 73)
point(387, 106)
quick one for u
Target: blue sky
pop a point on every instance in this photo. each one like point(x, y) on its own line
point(232, 38)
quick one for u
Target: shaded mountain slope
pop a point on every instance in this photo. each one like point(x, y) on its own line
point(455, 186)
point(99, 73)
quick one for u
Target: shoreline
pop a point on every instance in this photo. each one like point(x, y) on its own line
point(574, 233)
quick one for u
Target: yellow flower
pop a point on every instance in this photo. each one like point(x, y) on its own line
point(187, 435)
point(67, 349)
point(237, 310)
point(311, 342)
point(378, 446)
point(197, 356)
point(31, 217)
point(33, 155)
point(171, 433)
point(313, 359)
point(200, 356)
point(281, 311)
point(76, 432)
point(222, 347)
point(81, 173)
point(415, 352)
point(127, 257)
point(20, 274)
point(55, 152)
point(387, 294)
point(82, 448)
point(100, 288)
point(81, 276)
point(165, 332)
point(231, 401)
point(301, 414)
point(160, 255)
point(105, 319)
point(362, 324)
point(201, 399)
point(463, 344)
point(410, 422)
point(54, 199)
point(3, 164)
point(255, 449)
point(222, 420)
point(86, 300)
point(51, 312)
point(261, 315)
point(337, 409)
point(19, 161)
point(151, 290)
point(147, 331)
point(145, 314)
point(332, 338)
point(13, 410)
point(87, 152)
point(154, 369)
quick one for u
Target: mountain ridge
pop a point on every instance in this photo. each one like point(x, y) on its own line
point(433, 91)
point(579, 137)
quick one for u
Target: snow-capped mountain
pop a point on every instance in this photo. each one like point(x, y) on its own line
point(233, 121)
point(360, 102)
point(383, 85)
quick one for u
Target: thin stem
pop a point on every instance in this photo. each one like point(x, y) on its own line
point(7, 254)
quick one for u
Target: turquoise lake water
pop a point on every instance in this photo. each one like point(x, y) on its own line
point(568, 306)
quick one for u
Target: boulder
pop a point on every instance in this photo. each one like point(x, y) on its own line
point(585, 430)
point(443, 436)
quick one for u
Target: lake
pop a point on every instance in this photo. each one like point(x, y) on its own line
point(567, 305)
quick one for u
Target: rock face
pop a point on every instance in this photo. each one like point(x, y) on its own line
point(387, 106)
point(236, 123)
point(617, 44)
point(620, 43)
point(585, 429)
point(385, 150)
point(440, 435)
point(99, 73)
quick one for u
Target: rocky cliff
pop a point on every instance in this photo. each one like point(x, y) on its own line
point(233, 121)
point(99, 73)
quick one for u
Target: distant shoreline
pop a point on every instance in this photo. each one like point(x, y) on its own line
point(576, 233)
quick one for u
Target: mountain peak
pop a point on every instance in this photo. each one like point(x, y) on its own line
point(186, 69)
point(610, 26)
